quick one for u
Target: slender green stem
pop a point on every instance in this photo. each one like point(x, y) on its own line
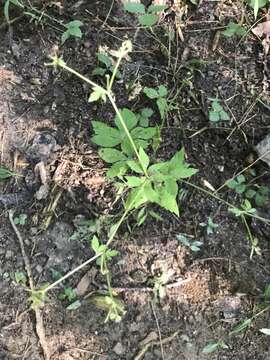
point(114, 73)
point(59, 281)
point(224, 201)
point(108, 93)
point(127, 133)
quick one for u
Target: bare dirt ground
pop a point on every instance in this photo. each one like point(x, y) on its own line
point(45, 117)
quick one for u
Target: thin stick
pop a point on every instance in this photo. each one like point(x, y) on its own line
point(39, 319)
point(152, 343)
point(158, 328)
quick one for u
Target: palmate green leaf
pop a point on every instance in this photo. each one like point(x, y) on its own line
point(134, 8)
point(111, 155)
point(129, 118)
point(106, 136)
point(148, 19)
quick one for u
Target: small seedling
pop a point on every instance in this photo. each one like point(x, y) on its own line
point(159, 288)
point(212, 347)
point(192, 245)
point(217, 113)
point(238, 184)
point(246, 208)
point(72, 30)
point(233, 29)
point(160, 95)
point(106, 254)
point(147, 17)
point(68, 294)
point(5, 173)
point(20, 278)
point(259, 194)
point(114, 307)
point(20, 220)
point(210, 226)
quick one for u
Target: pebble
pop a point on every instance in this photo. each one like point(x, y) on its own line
point(119, 349)
point(39, 269)
point(9, 254)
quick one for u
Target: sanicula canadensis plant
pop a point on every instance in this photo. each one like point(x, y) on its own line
point(137, 177)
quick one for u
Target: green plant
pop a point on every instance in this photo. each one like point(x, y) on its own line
point(238, 184)
point(20, 220)
point(68, 293)
point(160, 95)
point(114, 307)
point(159, 288)
point(106, 254)
point(233, 29)
point(256, 5)
point(5, 173)
point(141, 182)
point(210, 226)
point(192, 245)
point(72, 30)
point(20, 278)
point(212, 347)
point(246, 208)
point(109, 138)
point(106, 65)
point(259, 194)
point(146, 16)
point(217, 113)
point(256, 192)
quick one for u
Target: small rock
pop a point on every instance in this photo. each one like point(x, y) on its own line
point(119, 349)
point(39, 269)
point(9, 254)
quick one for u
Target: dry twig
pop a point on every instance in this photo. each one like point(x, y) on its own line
point(39, 320)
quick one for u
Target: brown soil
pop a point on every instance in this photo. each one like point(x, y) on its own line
point(207, 292)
